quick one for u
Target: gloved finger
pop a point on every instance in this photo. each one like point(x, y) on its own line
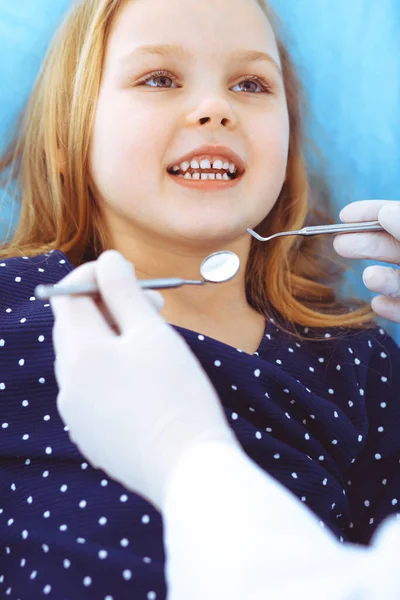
point(156, 299)
point(120, 292)
point(389, 218)
point(82, 274)
point(376, 246)
point(76, 317)
point(383, 280)
point(363, 210)
point(388, 308)
point(87, 273)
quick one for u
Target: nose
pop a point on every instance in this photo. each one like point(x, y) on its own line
point(213, 113)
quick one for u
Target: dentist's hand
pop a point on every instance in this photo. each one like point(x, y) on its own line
point(134, 395)
point(383, 247)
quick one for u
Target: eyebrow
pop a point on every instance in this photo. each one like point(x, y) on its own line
point(174, 49)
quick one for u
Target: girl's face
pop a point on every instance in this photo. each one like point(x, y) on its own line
point(179, 75)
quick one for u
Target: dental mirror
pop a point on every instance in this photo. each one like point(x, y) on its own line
point(215, 268)
point(220, 267)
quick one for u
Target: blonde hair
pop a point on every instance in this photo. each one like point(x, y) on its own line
point(286, 277)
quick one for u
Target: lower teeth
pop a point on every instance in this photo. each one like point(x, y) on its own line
point(206, 176)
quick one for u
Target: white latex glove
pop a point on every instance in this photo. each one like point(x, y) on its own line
point(384, 247)
point(134, 402)
point(265, 543)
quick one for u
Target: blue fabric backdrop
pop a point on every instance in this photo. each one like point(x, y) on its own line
point(348, 57)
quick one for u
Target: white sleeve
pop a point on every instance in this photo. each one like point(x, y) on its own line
point(232, 531)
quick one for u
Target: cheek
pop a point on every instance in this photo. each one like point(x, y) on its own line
point(125, 138)
point(117, 143)
point(270, 146)
point(273, 143)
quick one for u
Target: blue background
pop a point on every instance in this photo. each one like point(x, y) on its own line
point(347, 54)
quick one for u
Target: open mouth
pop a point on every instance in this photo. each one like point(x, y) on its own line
point(204, 175)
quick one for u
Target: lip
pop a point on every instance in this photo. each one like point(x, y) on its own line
point(213, 150)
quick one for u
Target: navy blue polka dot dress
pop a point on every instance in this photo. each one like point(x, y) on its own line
point(323, 418)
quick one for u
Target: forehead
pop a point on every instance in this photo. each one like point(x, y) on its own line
point(205, 28)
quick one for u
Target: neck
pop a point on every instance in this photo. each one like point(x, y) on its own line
point(212, 303)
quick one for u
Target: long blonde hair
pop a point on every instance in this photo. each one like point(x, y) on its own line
point(288, 278)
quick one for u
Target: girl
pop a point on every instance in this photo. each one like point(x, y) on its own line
point(164, 131)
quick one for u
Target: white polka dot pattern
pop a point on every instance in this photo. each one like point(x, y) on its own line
point(322, 417)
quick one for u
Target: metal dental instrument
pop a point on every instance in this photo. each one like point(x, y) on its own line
point(215, 268)
point(321, 229)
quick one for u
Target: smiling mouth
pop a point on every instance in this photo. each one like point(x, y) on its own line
point(205, 174)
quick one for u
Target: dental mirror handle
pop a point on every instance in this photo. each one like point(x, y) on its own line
point(44, 292)
point(166, 282)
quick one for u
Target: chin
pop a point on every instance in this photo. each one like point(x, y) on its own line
point(211, 236)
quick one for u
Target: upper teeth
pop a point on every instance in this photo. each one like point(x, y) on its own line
point(205, 164)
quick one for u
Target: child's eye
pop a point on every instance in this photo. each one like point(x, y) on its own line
point(161, 77)
point(256, 81)
point(158, 75)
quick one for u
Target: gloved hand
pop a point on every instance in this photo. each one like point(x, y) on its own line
point(383, 246)
point(134, 401)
